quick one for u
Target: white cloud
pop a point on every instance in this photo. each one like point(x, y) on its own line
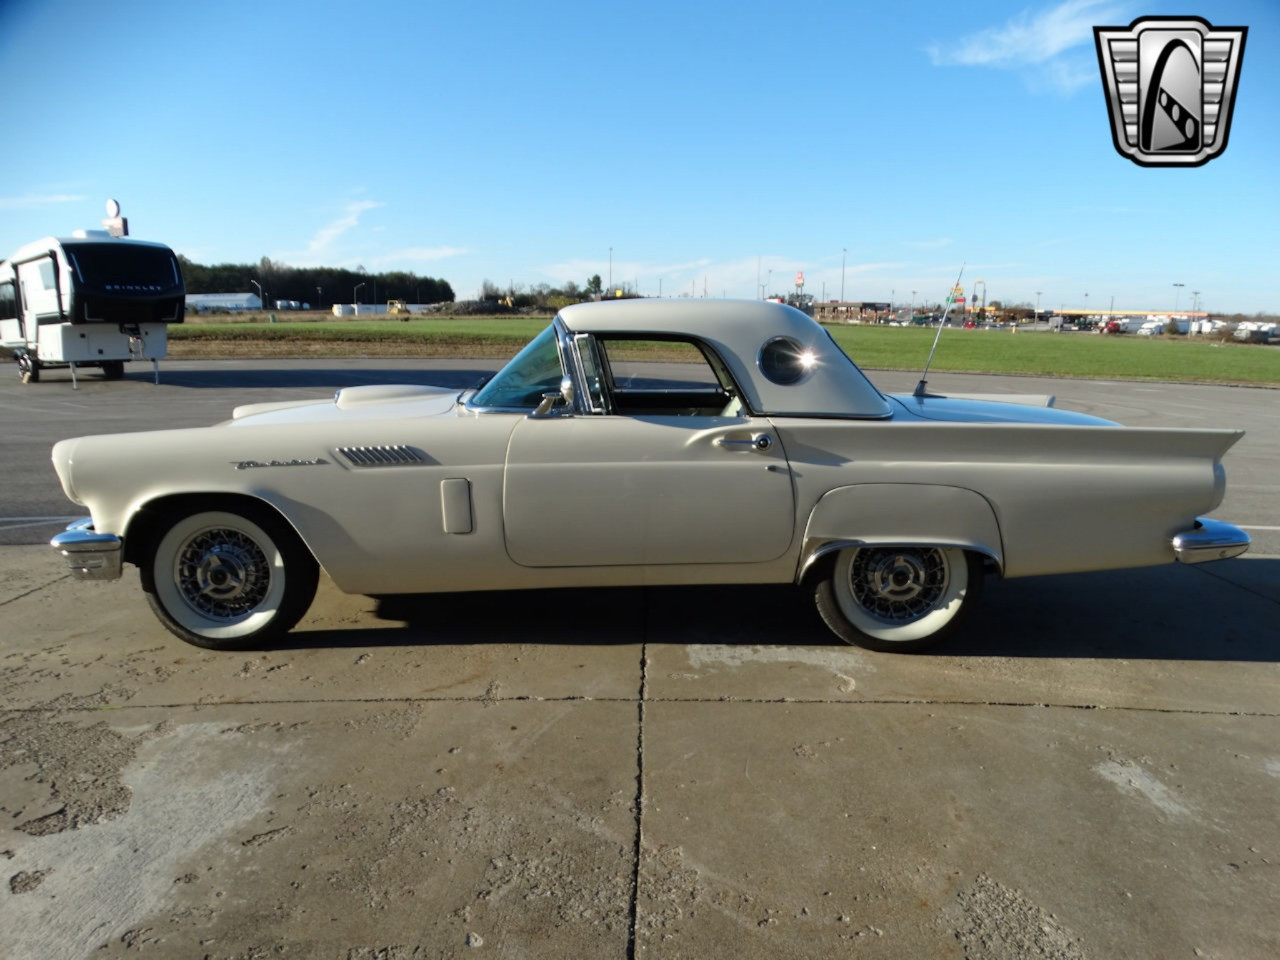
point(625, 271)
point(31, 201)
point(1042, 40)
point(323, 240)
point(322, 248)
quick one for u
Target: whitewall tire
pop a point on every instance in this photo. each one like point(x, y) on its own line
point(898, 598)
point(224, 579)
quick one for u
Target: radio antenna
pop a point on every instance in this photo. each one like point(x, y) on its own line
point(921, 389)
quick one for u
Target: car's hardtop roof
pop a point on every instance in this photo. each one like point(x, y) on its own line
point(738, 329)
point(689, 317)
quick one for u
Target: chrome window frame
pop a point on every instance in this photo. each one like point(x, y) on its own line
point(561, 338)
point(572, 368)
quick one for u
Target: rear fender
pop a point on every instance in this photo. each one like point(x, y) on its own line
point(899, 514)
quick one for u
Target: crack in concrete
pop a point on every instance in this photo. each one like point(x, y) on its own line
point(36, 589)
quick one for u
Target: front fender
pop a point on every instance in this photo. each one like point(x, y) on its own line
point(885, 514)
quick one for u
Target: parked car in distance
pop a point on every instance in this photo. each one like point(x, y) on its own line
point(640, 442)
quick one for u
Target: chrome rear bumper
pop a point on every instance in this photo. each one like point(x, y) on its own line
point(90, 555)
point(1210, 540)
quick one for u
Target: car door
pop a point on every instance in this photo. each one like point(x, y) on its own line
point(639, 490)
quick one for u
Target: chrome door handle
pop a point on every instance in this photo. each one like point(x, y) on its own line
point(761, 441)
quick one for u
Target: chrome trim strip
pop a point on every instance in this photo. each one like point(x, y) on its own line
point(90, 555)
point(1209, 540)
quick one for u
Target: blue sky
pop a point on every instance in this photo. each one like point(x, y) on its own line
point(682, 147)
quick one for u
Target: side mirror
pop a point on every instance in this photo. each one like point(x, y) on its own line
point(556, 404)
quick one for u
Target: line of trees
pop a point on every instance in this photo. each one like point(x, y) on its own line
point(318, 286)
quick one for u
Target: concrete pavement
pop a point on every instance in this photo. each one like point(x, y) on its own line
point(1092, 771)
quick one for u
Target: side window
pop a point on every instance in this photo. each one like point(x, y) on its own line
point(784, 361)
point(667, 377)
point(593, 370)
point(47, 279)
point(8, 303)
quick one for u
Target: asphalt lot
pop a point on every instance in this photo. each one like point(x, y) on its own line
point(1091, 771)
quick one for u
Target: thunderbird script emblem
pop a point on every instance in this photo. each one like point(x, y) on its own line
point(1171, 86)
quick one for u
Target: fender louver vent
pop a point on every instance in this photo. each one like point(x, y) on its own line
point(392, 456)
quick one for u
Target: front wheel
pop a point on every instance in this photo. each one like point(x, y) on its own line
point(898, 598)
point(225, 580)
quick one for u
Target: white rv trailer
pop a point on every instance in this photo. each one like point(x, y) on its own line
point(90, 300)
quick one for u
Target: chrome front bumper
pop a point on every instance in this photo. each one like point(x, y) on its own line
point(1210, 540)
point(90, 555)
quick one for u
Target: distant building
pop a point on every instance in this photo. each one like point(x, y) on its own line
point(204, 302)
point(849, 311)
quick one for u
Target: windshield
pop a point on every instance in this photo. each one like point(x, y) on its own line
point(124, 268)
point(535, 370)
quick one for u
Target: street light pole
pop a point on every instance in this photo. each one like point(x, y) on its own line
point(319, 297)
point(262, 300)
point(355, 294)
point(1036, 318)
point(1177, 291)
point(843, 253)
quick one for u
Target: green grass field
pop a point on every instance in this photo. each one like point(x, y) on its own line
point(1080, 355)
point(1083, 355)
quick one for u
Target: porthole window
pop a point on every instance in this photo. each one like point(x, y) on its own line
point(784, 361)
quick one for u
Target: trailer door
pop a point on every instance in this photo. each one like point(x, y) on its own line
point(11, 333)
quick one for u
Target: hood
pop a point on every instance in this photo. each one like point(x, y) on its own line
point(383, 402)
point(967, 410)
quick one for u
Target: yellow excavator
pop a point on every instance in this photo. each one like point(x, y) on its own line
point(397, 308)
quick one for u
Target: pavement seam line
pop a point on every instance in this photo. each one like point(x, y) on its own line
point(782, 701)
point(1221, 579)
point(634, 907)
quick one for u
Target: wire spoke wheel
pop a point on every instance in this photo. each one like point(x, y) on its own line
point(898, 598)
point(224, 580)
point(898, 586)
point(223, 574)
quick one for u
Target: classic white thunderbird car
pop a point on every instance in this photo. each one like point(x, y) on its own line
point(752, 451)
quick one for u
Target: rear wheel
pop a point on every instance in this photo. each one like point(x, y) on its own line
point(29, 368)
point(113, 369)
point(898, 598)
point(225, 580)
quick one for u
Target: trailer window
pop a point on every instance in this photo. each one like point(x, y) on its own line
point(48, 280)
point(8, 302)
